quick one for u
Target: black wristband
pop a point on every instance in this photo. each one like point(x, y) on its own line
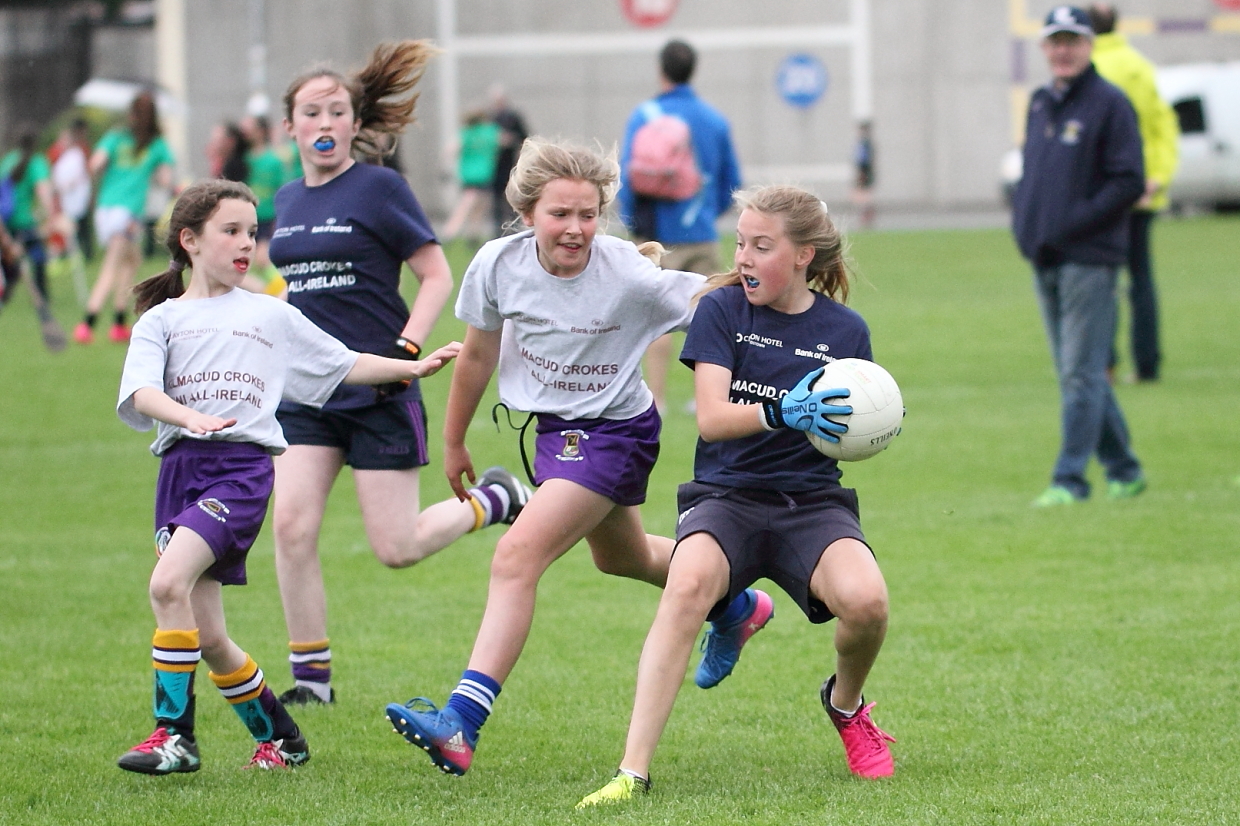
point(772, 416)
point(409, 350)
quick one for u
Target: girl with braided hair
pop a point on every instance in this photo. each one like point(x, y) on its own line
point(207, 365)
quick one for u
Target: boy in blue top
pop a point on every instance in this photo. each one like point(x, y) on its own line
point(686, 227)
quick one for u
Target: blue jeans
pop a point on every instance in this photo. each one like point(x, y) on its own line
point(1079, 310)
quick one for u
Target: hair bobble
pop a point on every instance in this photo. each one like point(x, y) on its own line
point(823, 204)
point(176, 266)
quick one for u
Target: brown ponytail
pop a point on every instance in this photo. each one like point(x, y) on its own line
point(193, 209)
point(381, 92)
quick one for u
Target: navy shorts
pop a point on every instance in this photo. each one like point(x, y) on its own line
point(611, 457)
point(388, 436)
point(219, 490)
point(770, 534)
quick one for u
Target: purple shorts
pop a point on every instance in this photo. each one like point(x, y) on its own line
point(219, 490)
point(611, 457)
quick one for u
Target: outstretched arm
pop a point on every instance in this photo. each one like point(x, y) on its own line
point(159, 405)
point(372, 369)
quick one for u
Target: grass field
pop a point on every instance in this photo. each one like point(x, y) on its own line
point(1074, 666)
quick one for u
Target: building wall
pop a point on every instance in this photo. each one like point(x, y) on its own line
point(44, 57)
point(946, 77)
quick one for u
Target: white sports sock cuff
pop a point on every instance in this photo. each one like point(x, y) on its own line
point(476, 692)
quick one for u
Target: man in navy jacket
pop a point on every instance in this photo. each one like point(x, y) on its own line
point(1083, 170)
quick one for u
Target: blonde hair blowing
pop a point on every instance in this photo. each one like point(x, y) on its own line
point(806, 222)
point(542, 161)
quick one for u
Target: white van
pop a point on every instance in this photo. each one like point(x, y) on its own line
point(1206, 99)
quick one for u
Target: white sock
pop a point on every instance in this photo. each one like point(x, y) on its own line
point(321, 690)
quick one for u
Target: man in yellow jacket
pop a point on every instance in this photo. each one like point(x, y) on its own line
point(1121, 64)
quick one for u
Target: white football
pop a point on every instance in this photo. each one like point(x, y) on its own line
point(878, 409)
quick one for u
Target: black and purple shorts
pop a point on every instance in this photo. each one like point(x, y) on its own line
point(766, 533)
point(611, 457)
point(220, 491)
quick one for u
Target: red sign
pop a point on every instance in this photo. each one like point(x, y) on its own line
point(1228, 5)
point(648, 13)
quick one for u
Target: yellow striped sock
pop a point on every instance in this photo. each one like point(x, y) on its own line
point(246, 683)
point(175, 650)
point(480, 513)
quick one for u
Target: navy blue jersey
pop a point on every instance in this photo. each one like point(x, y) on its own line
point(768, 352)
point(340, 247)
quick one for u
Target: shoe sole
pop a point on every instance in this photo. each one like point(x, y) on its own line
point(405, 728)
point(155, 771)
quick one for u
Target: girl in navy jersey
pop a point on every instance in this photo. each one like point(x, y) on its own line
point(566, 314)
point(207, 365)
point(764, 502)
point(342, 235)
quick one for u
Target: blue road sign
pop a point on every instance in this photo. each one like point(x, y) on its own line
point(801, 80)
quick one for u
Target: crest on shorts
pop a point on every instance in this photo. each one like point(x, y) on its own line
point(571, 452)
point(162, 537)
point(214, 508)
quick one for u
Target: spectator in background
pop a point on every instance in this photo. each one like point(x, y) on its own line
point(27, 202)
point(128, 160)
point(267, 172)
point(1082, 174)
point(512, 133)
point(1120, 63)
point(686, 226)
point(71, 180)
point(236, 147)
point(475, 169)
point(863, 185)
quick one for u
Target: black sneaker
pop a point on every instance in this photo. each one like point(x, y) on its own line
point(518, 493)
point(164, 752)
point(299, 695)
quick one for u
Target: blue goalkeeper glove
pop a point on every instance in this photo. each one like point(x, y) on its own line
point(806, 409)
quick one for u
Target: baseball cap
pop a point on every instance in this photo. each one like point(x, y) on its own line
point(1068, 19)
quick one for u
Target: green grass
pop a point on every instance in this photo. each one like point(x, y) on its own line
point(1064, 667)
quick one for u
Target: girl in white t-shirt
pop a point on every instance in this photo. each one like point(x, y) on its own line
point(566, 314)
point(209, 363)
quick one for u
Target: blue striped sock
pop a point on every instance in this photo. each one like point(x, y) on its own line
point(472, 699)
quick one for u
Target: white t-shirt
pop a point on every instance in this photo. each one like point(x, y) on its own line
point(234, 356)
point(572, 347)
point(71, 179)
